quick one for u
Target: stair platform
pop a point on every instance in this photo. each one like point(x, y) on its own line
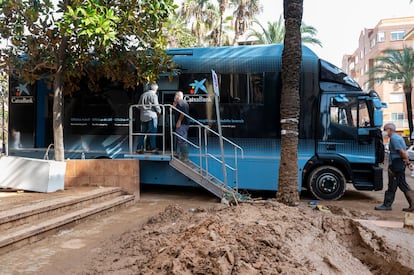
point(150, 156)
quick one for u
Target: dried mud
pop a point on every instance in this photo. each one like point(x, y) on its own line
point(262, 237)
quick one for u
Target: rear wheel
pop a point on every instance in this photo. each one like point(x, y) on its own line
point(327, 183)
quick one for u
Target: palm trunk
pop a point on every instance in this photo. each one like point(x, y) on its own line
point(407, 91)
point(221, 29)
point(290, 103)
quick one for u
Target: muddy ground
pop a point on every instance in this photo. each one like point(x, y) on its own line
point(188, 231)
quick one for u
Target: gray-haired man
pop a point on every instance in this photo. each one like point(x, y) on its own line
point(398, 158)
point(149, 112)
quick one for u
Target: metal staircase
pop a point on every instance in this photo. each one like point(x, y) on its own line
point(206, 180)
point(200, 172)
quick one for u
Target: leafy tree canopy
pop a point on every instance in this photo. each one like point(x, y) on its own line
point(121, 40)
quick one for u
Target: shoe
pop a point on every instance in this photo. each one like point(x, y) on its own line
point(140, 151)
point(383, 208)
point(154, 151)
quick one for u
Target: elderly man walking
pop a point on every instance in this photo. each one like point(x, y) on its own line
point(398, 159)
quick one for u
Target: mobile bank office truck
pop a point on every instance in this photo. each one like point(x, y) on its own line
point(340, 139)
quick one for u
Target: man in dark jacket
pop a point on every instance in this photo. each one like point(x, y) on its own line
point(181, 124)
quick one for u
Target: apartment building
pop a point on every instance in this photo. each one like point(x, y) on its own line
point(392, 33)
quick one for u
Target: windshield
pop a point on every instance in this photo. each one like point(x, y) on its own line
point(331, 73)
point(346, 116)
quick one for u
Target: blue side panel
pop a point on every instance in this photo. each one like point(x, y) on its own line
point(112, 146)
point(160, 172)
point(349, 149)
point(241, 59)
point(258, 170)
point(41, 107)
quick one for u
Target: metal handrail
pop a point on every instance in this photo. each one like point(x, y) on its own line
point(201, 129)
point(207, 130)
point(131, 126)
point(46, 155)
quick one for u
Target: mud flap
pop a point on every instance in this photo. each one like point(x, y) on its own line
point(378, 180)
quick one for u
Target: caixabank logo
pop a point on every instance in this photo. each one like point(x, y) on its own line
point(21, 95)
point(198, 92)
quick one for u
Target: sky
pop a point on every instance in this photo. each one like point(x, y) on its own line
point(340, 23)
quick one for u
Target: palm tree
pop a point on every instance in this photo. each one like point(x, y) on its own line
point(245, 11)
point(397, 65)
point(177, 33)
point(221, 32)
point(289, 107)
point(275, 33)
point(223, 4)
point(201, 14)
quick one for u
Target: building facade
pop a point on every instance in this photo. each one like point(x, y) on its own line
point(390, 33)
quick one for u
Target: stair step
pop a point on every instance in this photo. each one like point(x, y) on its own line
point(209, 182)
point(33, 222)
point(27, 213)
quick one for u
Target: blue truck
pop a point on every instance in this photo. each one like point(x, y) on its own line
point(340, 138)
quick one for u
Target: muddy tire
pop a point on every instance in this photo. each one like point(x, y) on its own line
point(327, 183)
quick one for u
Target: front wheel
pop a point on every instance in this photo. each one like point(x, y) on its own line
point(327, 183)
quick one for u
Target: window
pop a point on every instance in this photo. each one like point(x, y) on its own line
point(362, 115)
point(372, 42)
point(381, 37)
point(396, 98)
point(346, 116)
point(398, 35)
point(397, 116)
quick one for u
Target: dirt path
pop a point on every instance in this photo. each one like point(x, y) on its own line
point(187, 231)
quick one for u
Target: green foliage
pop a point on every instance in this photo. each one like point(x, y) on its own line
point(178, 35)
point(120, 40)
point(394, 65)
point(398, 66)
point(95, 22)
point(275, 33)
point(201, 15)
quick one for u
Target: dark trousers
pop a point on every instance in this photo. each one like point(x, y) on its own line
point(148, 127)
point(182, 132)
point(397, 180)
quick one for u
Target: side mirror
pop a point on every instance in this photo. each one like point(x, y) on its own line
point(378, 119)
point(341, 98)
point(378, 116)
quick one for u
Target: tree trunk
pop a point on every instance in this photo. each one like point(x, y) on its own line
point(407, 91)
point(222, 9)
point(58, 103)
point(238, 25)
point(290, 103)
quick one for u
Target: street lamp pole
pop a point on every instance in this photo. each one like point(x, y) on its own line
point(3, 148)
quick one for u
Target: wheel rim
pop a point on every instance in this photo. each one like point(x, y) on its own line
point(328, 184)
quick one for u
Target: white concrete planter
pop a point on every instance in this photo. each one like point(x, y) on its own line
point(32, 174)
